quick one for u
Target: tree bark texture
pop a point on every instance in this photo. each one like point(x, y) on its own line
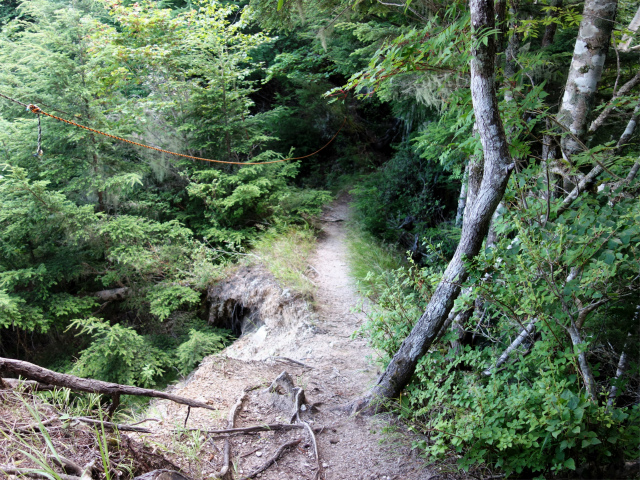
point(462, 200)
point(585, 71)
point(585, 368)
point(495, 176)
point(623, 363)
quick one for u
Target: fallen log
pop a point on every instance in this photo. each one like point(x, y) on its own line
point(49, 377)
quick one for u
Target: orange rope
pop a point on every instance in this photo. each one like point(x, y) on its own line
point(35, 109)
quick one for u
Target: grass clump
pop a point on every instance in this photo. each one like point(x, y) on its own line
point(370, 259)
point(286, 256)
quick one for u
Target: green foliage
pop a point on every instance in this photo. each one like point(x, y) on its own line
point(400, 297)
point(119, 354)
point(407, 186)
point(165, 299)
point(367, 254)
point(254, 196)
point(527, 419)
point(199, 345)
point(92, 214)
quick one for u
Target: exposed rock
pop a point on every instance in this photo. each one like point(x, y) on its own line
point(253, 306)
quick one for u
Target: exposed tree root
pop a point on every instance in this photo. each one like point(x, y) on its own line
point(26, 429)
point(273, 459)
point(225, 471)
point(254, 429)
point(82, 473)
point(34, 473)
point(296, 362)
point(298, 403)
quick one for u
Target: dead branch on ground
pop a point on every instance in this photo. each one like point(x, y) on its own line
point(49, 377)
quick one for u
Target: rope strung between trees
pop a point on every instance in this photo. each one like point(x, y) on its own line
point(38, 111)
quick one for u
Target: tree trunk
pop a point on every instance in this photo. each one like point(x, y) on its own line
point(585, 71)
point(495, 175)
point(550, 30)
point(623, 363)
point(462, 200)
point(625, 45)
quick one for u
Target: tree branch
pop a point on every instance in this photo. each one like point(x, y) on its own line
point(43, 375)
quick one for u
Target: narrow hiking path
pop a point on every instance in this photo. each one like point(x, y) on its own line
point(337, 368)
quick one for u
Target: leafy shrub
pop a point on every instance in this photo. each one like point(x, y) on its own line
point(535, 414)
point(400, 297)
point(529, 418)
point(119, 354)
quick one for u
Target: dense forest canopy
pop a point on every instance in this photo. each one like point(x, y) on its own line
point(495, 142)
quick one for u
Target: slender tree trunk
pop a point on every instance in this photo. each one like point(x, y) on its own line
point(622, 367)
point(495, 176)
point(585, 72)
point(586, 181)
point(550, 30)
point(625, 45)
point(526, 332)
point(585, 369)
point(626, 88)
point(550, 142)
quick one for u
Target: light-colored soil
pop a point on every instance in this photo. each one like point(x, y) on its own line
point(340, 369)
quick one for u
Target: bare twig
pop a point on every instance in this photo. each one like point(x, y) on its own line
point(272, 460)
point(187, 417)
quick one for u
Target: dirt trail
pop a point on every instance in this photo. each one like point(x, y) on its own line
point(339, 370)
